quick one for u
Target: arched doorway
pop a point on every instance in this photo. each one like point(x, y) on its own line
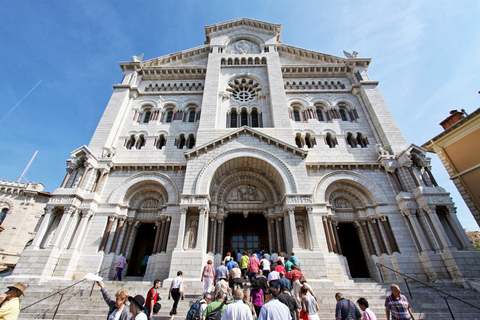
point(245, 233)
point(352, 250)
point(144, 241)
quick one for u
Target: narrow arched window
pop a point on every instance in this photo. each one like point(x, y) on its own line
point(3, 215)
point(255, 122)
point(130, 142)
point(191, 141)
point(320, 115)
point(309, 140)
point(351, 140)
point(296, 115)
point(362, 141)
point(298, 140)
point(343, 114)
point(181, 141)
point(330, 140)
point(141, 142)
point(233, 119)
point(146, 116)
point(169, 117)
point(161, 142)
point(191, 116)
point(244, 118)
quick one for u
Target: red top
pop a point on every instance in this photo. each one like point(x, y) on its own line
point(280, 268)
point(294, 275)
point(150, 296)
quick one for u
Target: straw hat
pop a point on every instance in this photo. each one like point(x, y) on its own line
point(20, 286)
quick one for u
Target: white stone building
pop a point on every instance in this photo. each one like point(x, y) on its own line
point(21, 208)
point(248, 143)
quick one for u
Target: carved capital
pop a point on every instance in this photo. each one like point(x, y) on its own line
point(70, 210)
point(291, 209)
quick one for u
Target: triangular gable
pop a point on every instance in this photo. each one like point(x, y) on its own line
point(245, 131)
point(228, 26)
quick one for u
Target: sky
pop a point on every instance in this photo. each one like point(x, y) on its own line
point(60, 60)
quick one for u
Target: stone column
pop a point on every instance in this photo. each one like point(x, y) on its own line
point(293, 227)
point(166, 233)
point(368, 238)
point(218, 243)
point(158, 224)
point(374, 225)
point(389, 232)
point(280, 231)
point(211, 231)
point(311, 226)
point(438, 228)
point(327, 233)
point(432, 179)
point(202, 228)
point(64, 226)
point(271, 237)
point(81, 230)
point(100, 179)
point(332, 231)
point(451, 216)
point(181, 229)
point(118, 232)
point(106, 234)
point(427, 231)
point(67, 176)
point(126, 238)
point(334, 225)
point(42, 230)
point(85, 172)
point(414, 177)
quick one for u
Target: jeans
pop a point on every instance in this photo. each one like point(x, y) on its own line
point(252, 275)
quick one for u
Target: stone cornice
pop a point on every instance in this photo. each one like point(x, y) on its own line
point(173, 73)
point(269, 28)
point(343, 165)
point(313, 71)
point(148, 167)
point(245, 130)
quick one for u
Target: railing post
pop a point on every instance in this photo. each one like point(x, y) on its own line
point(451, 313)
point(380, 272)
point(58, 305)
point(93, 286)
point(408, 287)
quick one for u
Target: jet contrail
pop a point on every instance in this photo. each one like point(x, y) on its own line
point(21, 101)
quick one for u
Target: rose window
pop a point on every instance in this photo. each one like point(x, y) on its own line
point(244, 90)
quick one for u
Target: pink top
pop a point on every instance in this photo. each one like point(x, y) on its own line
point(253, 264)
point(208, 271)
point(256, 297)
point(121, 262)
point(369, 315)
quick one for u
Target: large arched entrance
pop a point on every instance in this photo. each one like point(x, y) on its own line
point(246, 233)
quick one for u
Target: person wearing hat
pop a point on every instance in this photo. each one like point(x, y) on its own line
point(10, 302)
point(136, 307)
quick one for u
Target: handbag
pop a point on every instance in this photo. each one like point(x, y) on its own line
point(303, 315)
point(156, 307)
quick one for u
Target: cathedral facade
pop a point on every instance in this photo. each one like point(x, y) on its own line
point(246, 143)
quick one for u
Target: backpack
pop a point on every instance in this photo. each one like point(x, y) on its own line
point(216, 314)
point(194, 311)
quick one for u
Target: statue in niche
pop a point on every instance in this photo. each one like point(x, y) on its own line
point(300, 233)
point(192, 234)
point(342, 203)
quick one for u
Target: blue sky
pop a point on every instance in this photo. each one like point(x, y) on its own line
point(424, 53)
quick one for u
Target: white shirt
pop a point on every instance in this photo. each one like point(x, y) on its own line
point(274, 275)
point(141, 316)
point(266, 264)
point(268, 256)
point(237, 311)
point(177, 282)
point(274, 310)
point(274, 257)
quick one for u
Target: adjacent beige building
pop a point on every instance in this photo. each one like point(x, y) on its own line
point(21, 207)
point(247, 143)
point(458, 149)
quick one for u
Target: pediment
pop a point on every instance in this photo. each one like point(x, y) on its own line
point(267, 139)
point(243, 23)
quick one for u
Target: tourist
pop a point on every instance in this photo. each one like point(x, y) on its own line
point(279, 267)
point(152, 298)
point(235, 277)
point(244, 264)
point(120, 265)
point(176, 290)
point(262, 281)
point(267, 256)
point(219, 302)
point(257, 296)
point(303, 282)
point(397, 305)
point(10, 301)
point(227, 257)
point(309, 304)
point(288, 266)
point(273, 309)
point(207, 298)
point(252, 267)
point(273, 278)
point(294, 277)
point(207, 276)
point(221, 286)
point(231, 264)
point(237, 310)
point(286, 298)
point(274, 257)
point(294, 259)
point(221, 271)
point(367, 313)
point(249, 305)
point(346, 309)
point(284, 281)
point(239, 256)
point(136, 307)
point(143, 266)
point(265, 263)
point(281, 258)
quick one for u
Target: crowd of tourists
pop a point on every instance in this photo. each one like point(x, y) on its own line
point(277, 291)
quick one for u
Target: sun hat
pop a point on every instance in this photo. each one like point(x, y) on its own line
point(139, 300)
point(19, 286)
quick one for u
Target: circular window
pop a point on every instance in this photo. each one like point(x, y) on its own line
point(243, 90)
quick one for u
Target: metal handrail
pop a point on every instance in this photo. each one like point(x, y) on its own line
point(61, 290)
point(425, 284)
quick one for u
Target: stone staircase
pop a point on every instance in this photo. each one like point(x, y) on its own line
point(78, 304)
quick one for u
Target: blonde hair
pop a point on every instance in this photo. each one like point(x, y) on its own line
point(122, 294)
